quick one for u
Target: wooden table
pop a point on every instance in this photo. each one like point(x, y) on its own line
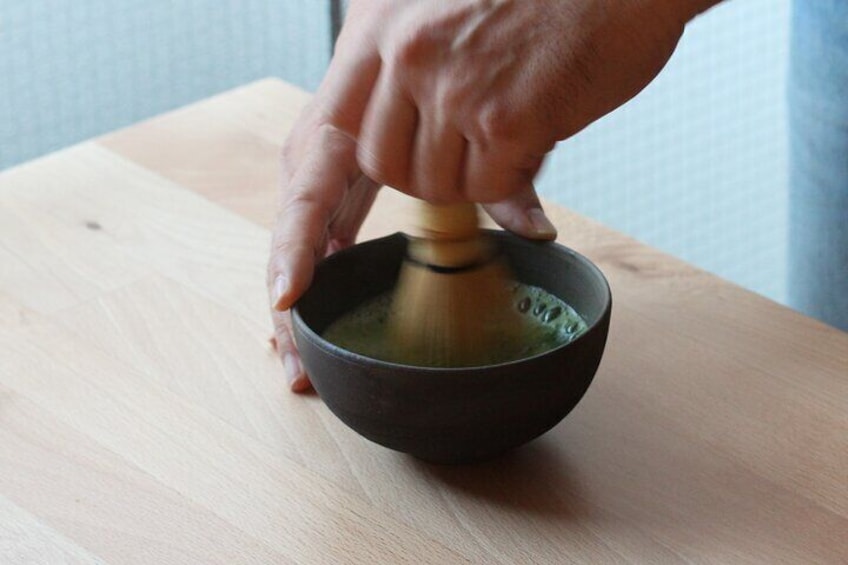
point(144, 419)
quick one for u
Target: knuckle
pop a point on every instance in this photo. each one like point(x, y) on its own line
point(414, 48)
point(302, 200)
point(369, 162)
point(288, 249)
point(332, 139)
point(498, 121)
point(382, 169)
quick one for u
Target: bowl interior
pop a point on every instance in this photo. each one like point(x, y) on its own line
point(355, 275)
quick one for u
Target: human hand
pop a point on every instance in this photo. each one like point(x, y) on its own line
point(323, 200)
point(462, 100)
point(451, 101)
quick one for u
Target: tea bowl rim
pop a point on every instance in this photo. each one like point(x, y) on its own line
point(343, 354)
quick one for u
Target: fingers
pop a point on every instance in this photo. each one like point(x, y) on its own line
point(347, 221)
point(343, 230)
point(421, 152)
point(495, 170)
point(437, 160)
point(323, 202)
point(308, 205)
point(350, 79)
point(422, 157)
point(287, 352)
point(523, 215)
point(387, 134)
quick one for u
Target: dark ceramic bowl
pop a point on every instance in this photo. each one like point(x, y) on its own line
point(451, 415)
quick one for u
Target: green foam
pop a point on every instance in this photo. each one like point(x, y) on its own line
point(549, 323)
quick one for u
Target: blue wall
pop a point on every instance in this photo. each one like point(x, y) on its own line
point(72, 69)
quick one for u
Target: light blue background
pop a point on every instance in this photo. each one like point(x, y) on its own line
point(72, 69)
point(696, 165)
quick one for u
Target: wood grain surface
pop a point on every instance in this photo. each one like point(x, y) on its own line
point(144, 418)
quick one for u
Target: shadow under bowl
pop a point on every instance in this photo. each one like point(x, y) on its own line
point(451, 415)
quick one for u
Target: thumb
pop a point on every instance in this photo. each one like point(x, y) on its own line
point(523, 215)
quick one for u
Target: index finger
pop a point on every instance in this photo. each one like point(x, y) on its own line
point(307, 206)
point(346, 90)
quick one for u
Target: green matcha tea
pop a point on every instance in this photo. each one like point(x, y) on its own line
point(548, 323)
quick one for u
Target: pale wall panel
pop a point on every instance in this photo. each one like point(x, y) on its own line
point(73, 69)
point(697, 164)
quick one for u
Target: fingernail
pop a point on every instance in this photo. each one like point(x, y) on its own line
point(292, 368)
point(542, 226)
point(281, 286)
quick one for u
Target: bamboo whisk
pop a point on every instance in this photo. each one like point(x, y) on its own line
point(452, 305)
